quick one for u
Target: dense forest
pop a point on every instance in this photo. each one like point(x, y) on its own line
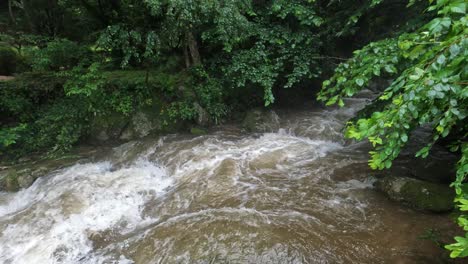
point(69, 68)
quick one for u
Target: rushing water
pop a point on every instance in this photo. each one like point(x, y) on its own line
point(299, 194)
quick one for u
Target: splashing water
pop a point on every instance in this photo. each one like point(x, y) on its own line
point(296, 195)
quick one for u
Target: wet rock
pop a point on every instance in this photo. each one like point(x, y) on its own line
point(438, 167)
point(25, 180)
point(147, 120)
point(108, 127)
point(118, 126)
point(203, 117)
point(16, 178)
point(103, 238)
point(260, 120)
point(418, 194)
point(24, 174)
point(141, 125)
point(197, 131)
point(9, 181)
point(96, 237)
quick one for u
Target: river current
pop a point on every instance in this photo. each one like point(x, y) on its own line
point(299, 193)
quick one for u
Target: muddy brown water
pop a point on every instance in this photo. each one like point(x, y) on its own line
point(297, 194)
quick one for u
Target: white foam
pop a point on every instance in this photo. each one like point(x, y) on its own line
point(354, 184)
point(62, 211)
point(52, 220)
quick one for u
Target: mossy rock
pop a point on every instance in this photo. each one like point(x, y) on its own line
point(147, 120)
point(417, 194)
point(9, 181)
point(24, 174)
point(197, 131)
point(260, 120)
point(203, 117)
point(438, 167)
point(26, 178)
point(143, 122)
point(108, 127)
point(151, 120)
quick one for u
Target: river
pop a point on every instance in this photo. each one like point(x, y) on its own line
point(299, 193)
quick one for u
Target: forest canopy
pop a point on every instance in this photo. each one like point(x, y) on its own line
point(73, 60)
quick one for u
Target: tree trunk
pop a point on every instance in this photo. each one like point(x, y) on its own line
point(94, 12)
point(27, 14)
point(193, 48)
point(186, 57)
point(10, 11)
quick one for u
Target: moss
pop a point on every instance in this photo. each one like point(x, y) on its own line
point(11, 182)
point(260, 120)
point(125, 75)
point(428, 196)
point(28, 93)
point(23, 173)
point(25, 179)
point(418, 194)
point(108, 127)
point(158, 79)
point(252, 120)
point(197, 131)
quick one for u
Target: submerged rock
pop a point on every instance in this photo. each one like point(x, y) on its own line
point(17, 178)
point(260, 120)
point(24, 174)
point(418, 194)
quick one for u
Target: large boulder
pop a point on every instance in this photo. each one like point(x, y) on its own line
point(203, 117)
point(438, 167)
point(142, 123)
point(117, 126)
point(261, 120)
point(418, 194)
point(108, 127)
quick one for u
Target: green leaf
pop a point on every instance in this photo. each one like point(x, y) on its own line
point(341, 103)
point(441, 59)
point(390, 68)
point(459, 7)
point(404, 137)
point(359, 82)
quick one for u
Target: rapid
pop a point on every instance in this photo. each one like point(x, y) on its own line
point(298, 193)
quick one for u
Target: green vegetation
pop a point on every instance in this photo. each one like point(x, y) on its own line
point(201, 62)
point(430, 78)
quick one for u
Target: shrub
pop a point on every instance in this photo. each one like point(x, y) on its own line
point(58, 126)
point(59, 54)
point(8, 61)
